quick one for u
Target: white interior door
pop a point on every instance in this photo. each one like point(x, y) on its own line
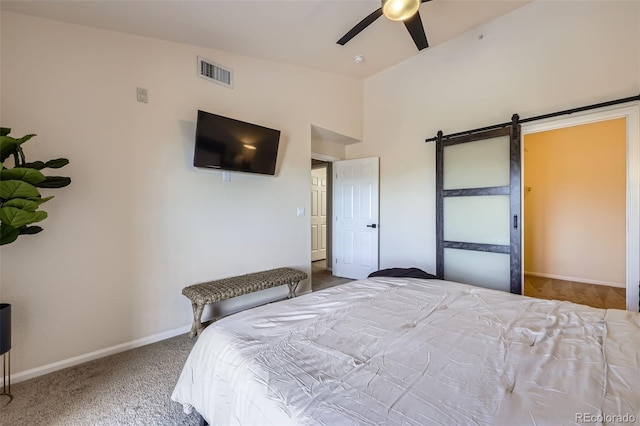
point(355, 216)
point(318, 214)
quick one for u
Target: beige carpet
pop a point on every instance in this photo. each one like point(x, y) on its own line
point(129, 388)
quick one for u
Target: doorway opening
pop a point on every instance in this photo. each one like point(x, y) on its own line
point(580, 209)
point(575, 208)
point(321, 226)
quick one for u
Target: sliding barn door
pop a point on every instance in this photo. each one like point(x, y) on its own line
point(478, 209)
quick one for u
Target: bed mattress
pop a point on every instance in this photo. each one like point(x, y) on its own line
point(416, 352)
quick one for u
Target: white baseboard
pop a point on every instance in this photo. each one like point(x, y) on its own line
point(575, 279)
point(80, 359)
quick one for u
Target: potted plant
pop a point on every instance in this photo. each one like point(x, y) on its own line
point(20, 202)
point(20, 198)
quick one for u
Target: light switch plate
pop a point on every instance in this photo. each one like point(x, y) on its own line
point(143, 95)
point(300, 211)
point(226, 177)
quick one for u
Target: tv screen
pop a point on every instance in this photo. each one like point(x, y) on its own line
point(228, 144)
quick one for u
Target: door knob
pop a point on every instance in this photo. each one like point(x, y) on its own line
point(373, 225)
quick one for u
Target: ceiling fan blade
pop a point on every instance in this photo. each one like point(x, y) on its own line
point(360, 26)
point(415, 28)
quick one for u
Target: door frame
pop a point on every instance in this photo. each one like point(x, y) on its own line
point(632, 115)
point(323, 157)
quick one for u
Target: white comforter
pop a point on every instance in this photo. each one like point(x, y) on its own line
point(416, 352)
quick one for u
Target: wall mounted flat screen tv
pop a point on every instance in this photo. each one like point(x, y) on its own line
point(228, 144)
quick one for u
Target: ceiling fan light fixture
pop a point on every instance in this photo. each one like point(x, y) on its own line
point(400, 10)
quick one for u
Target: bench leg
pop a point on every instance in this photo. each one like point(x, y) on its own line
point(197, 327)
point(292, 289)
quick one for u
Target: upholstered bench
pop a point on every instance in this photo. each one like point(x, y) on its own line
point(226, 288)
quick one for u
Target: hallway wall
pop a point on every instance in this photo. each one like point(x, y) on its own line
point(575, 203)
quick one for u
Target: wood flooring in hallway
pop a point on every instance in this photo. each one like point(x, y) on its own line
point(598, 296)
point(322, 278)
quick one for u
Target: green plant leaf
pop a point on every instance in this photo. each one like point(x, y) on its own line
point(26, 138)
point(56, 164)
point(24, 174)
point(21, 203)
point(54, 182)
point(8, 146)
point(17, 217)
point(8, 234)
point(17, 189)
point(30, 230)
point(4, 131)
point(38, 165)
point(40, 200)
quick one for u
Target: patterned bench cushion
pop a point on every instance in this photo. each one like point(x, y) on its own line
point(226, 288)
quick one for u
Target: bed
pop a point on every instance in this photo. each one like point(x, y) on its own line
point(416, 352)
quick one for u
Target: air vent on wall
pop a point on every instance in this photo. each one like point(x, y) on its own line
point(211, 71)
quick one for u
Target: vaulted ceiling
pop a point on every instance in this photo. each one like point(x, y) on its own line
point(297, 32)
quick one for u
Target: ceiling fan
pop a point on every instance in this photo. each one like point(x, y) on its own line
point(395, 10)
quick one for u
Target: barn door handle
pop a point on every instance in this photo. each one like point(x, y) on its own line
point(373, 225)
point(515, 221)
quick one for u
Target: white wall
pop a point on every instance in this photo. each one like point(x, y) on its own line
point(139, 222)
point(544, 57)
point(328, 148)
